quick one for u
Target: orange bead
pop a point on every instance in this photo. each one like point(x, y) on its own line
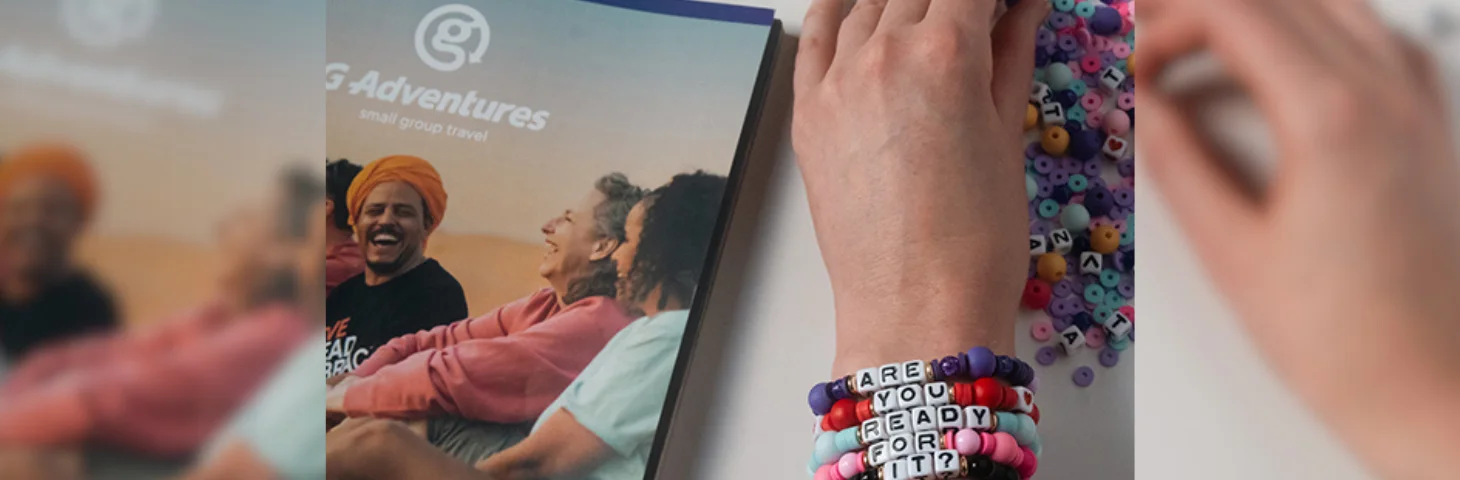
point(1055, 141)
point(1051, 267)
point(864, 410)
point(1031, 117)
point(1105, 239)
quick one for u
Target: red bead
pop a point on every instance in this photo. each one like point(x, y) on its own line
point(1034, 414)
point(986, 392)
point(1011, 399)
point(843, 415)
point(1037, 294)
point(963, 394)
point(826, 422)
point(864, 410)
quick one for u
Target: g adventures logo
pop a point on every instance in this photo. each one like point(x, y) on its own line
point(456, 26)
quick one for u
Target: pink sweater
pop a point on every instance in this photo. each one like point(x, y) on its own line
point(161, 391)
point(506, 366)
point(341, 262)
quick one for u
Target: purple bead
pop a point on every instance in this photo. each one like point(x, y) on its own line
point(1106, 21)
point(1126, 167)
point(1098, 201)
point(1062, 290)
point(1085, 145)
point(1059, 179)
point(1060, 323)
point(1083, 376)
point(1033, 382)
point(1108, 58)
point(1045, 37)
point(1038, 227)
point(839, 389)
point(1046, 356)
point(1109, 357)
point(1118, 258)
point(1033, 150)
point(819, 399)
point(1057, 309)
point(1081, 320)
point(1024, 376)
point(1046, 189)
point(1003, 367)
point(1092, 171)
point(1127, 287)
point(1124, 196)
point(1068, 43)
point(981, 362)
point(1041, 58)
point(950, 366)
point(1044, 164)
point(1117, 213)
point(1071, 166)
point(1067, 99)
point(1096, 183)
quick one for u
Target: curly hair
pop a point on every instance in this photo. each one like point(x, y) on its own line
point(601, 277)
point(679, 223)
point(338, 175)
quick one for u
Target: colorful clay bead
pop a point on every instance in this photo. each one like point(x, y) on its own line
point(1098, 200)
point(1117, 122)
point(1055, 140)
point(1031, 117)
point(1083, 376)
point(820, 399)
point(1051, 267)
point(1075, 217)
point(1103, 239)
point(982, 361)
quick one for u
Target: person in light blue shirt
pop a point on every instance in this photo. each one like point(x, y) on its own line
point(602, 427)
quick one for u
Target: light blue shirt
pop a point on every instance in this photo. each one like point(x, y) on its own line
point(621, 393)
point(283, 424)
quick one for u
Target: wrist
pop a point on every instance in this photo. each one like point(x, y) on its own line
point(922, 324)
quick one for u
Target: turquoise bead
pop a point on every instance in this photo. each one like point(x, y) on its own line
point(1037, 448)
point(1079, 88)
point(1102, 312)
point(1028, 432)
point(825, 448)
point(1078, 183)
point(1058, 76)
point(1110, 278)
point(1049, 208)
point(1085, 9)
point(811, 466)
point(1119, 344)
point(1094, 294)
point(1039, 76)
point(1076, 114)
point(1064, 5)
point(1007, 422)
point(1075, 218)
point(846, 441)
point(1030, 187)
point(1128, 236)
point(1113, 300)
point(1121, 64)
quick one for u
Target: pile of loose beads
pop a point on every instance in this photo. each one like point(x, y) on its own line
point(970, 415)
point(1082, 233)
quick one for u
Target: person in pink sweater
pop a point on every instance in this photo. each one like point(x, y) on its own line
point(478, 383)
point(342, 258)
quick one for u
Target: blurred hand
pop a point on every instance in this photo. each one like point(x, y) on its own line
point(1345, 269)
point(907, 129)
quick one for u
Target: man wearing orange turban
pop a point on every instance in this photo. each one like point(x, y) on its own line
point(394, 203)
point(47, 195)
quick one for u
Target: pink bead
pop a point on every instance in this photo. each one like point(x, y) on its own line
point(1120, 226)
point(1117, 122)
point(835, 473)
point(1121, 50)
point(1077, 198)
point(1029, 465)
point(850, 464)
point(1091, 102)
point(1006, 449)
point(824, 473)
point(1083, 36)
point(1129, 311)
point(967, 442)
point(1095, 337)
point(1100, 222)
point(988, 443)
point(1125, 101)
point(1094, 121)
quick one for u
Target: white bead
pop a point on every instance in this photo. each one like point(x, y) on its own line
point(909, 396)
point(884, 401)
point(1062, 240)
point(898, 423)
point(1025, 402)
point(920, 465)
point(1071, 339)
point(896, 470)
point(889, 375)
point(1111, 78)
point(1037, 245)
point(978, 417)
point(950, 417)
point(1053, 113)
point(877, 452)
point(914, 372)
point(1041, 94)
point(945, 463)
point(1091, 262)
point(924, 419)
point(1115, 148)
point(937, 394)
point(899, 446)
point(926, 442)
point(1118, 324)
point(874, 430)
point(866, 380)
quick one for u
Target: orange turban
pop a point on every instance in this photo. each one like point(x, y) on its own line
point(418, 173)
point(58, 161)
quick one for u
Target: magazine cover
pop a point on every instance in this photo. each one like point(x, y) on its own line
point(527, 200)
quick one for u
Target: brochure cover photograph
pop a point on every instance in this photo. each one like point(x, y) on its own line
point(525, 200)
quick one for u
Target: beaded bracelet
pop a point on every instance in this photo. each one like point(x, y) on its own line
point(939, 464)
point(976, 363)
point(830, 446)
point(986, 392)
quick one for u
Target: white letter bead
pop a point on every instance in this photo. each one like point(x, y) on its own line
point(936, 394)
point(1062, 240)
point(1091, 262)
point(920, 465)
point(914, 373)
point(878, 454)
point(899, 446)
point(924, 419)
point(1025, 403)
point(867, 381)
point(945, 463)
point(1037, 245)
point(950, 417)
point(1118, 324)
point(909, 396)
point(1115, 148)
point(1053, 113)
point(884, 401)
point(926, 442)
point(896, 470)
point(978, 417)
point(897, 423)
point(1111, 78)
point(1041, 94)
point(874, 430)
point(889, 375)
point(1071, 339)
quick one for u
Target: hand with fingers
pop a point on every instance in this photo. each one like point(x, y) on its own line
point(907, 127)
point(1344, 268)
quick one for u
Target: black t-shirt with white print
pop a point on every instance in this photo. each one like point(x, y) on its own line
point(362, 318)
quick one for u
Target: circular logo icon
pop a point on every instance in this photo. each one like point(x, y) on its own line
point(107, 23)
point(455, 27)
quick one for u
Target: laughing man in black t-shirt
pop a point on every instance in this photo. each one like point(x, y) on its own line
point(395, 203)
